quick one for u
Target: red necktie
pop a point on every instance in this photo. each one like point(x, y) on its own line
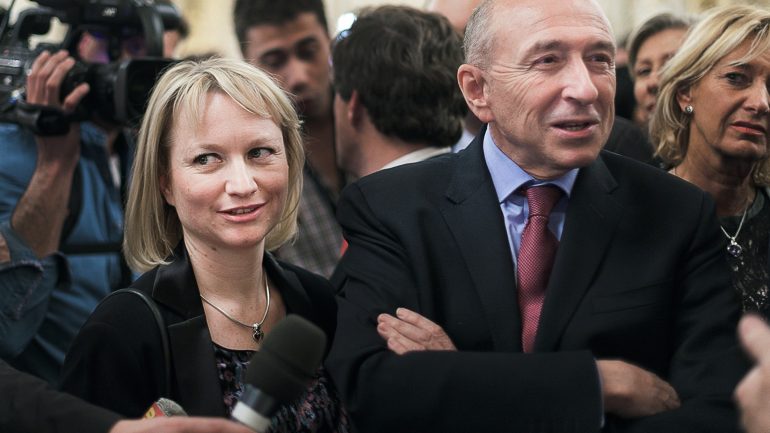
point(536, 256)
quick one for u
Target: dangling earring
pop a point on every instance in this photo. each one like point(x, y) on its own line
point(688, 109)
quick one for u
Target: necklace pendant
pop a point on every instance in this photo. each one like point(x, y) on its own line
point(734, 249)
point(258, 333)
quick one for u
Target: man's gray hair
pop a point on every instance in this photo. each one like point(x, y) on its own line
point(479, 36)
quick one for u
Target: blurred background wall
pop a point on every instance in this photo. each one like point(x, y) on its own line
point(212, 31)
point(211, 20)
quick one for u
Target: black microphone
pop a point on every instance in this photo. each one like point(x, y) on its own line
point(280, 371)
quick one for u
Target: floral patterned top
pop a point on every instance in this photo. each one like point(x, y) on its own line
point(750, 268)
point(318, 410)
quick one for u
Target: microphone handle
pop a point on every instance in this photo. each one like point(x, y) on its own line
point(255, 408)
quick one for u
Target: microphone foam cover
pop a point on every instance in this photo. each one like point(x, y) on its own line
point(287, 359)
point(170, 407)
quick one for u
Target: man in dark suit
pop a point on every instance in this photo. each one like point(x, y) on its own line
point(625, 322)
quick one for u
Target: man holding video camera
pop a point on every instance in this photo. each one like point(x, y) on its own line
point(61, 210)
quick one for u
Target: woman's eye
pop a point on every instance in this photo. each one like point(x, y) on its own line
point(736, 78)
point(260, 152)
point(205, 159)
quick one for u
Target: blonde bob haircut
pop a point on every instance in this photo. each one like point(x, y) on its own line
point(718, 34)
point(152, 225)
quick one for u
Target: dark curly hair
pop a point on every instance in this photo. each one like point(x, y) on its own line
point(403, 63)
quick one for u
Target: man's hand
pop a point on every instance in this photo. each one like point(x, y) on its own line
point(409, 331)
point(44, 88)
point(40, 213)
point(178, 424)
point(45, 79)
point(631, 392)
point(753, 393)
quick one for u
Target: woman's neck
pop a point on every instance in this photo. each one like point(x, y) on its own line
point(730, 185)
point(235, 275)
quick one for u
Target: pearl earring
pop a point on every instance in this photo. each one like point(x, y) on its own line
point(688, 109)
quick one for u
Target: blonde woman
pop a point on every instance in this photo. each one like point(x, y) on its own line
point(711, 126)
point(215, 186)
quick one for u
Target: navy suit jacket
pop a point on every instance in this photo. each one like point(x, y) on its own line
point(639, 276)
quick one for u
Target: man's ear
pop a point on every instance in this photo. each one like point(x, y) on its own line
point(355, 109)
point(472, 81)
point(165, 190)
point(684, 98)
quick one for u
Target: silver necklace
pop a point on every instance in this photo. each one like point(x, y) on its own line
point(734, 248)
point(257, 333)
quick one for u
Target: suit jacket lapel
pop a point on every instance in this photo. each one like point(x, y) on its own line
point(294, 295)
point(592, 215)
point(195, 374)
point(476, 221)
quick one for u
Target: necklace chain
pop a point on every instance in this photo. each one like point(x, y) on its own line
point(733, 248)
point(256, 327)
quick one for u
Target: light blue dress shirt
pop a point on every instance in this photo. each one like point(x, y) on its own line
point(507, 177)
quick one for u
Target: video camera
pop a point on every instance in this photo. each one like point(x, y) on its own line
point(118, 90)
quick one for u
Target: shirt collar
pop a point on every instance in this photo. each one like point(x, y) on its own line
point(507, 176)
point(417, 156)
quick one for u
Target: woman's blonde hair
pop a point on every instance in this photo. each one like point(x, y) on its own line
point(720, 32)
point(152, 225)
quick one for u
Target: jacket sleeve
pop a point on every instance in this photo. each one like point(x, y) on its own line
point(113, 362)
point(29, 405)
point(439, 391)
point(26, 284)
point(707, 362)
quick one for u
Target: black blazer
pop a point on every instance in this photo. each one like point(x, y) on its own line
point(639, 276)
point(116, 361)
point(29, 405)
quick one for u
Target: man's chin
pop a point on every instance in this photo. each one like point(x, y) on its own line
point(580, 157)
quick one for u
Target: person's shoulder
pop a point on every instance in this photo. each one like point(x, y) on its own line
point(429, 168)
point(310, 281)
point(422, 180)
point(124, 309)
point(644, 181)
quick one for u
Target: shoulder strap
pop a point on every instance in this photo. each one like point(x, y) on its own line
point(161, 329)
point(74, 205)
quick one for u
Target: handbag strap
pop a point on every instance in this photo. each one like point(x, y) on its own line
point(161, 324)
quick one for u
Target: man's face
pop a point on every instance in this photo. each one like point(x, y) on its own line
point(550, 84)
point(297, 53)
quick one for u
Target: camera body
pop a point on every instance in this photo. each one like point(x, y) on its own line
point(119, 89)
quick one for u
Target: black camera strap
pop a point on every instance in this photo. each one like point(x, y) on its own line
point(123, 146)
point(42, 120)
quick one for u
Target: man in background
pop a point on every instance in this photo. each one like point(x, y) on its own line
point(61, 213)
point(458, 12)
point(290, 40)
point(396, 95)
